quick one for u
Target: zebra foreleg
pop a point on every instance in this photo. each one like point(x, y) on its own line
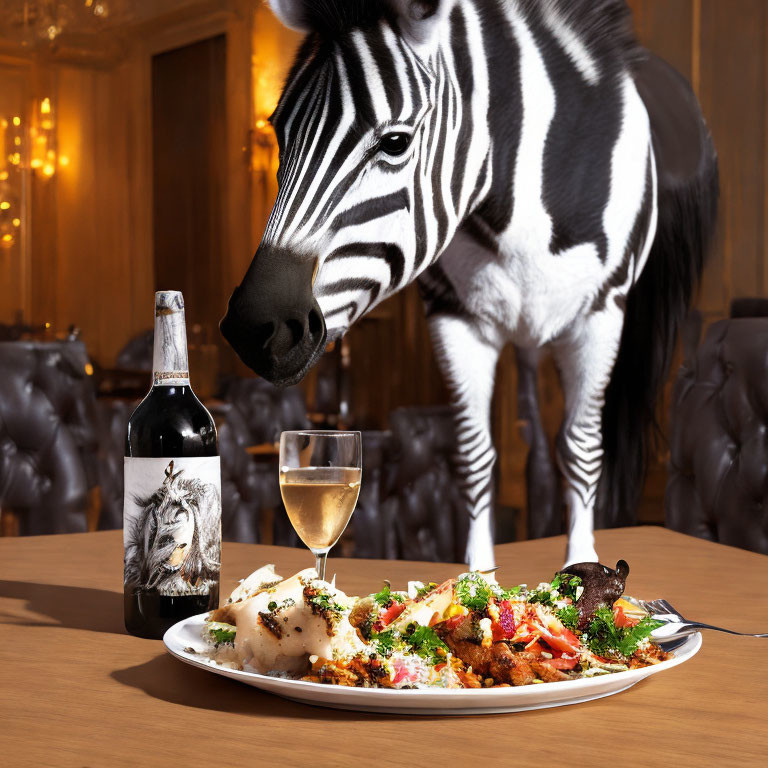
point(468, 363)
point(585, 357)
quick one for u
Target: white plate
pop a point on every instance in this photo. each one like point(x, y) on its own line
point(187, 634)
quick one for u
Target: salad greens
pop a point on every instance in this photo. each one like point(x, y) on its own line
point(603, 636)
point(222, 633)
point(472, 591)
point(386, 596)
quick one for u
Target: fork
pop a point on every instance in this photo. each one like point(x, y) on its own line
point(661, 610)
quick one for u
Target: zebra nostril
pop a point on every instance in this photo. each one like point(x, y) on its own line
point(266, 333)
point(314, 322)
point(296, 329)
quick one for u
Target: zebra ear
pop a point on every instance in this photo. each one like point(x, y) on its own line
point(420, 20)
point(291, 13)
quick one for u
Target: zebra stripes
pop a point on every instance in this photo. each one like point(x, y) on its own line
point(498, 151)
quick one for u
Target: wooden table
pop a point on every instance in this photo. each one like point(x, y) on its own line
point(75, 690)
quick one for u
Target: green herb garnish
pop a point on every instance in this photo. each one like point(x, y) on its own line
point(222, 633)
point(543, 596)
point(567, 585)
point(425, 642)
point(605, 638)
point(272, 606)
point(507, 594)
point(326, 603)
point(569, 616)
point(387, 596)
point(473, 592)
point(384, 642)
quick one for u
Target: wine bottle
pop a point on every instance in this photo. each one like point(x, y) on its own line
point(172, 495)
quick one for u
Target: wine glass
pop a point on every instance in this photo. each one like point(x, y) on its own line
point(320, 472)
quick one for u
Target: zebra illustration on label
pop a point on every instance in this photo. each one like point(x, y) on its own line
point(547, 181)
point(172, 534)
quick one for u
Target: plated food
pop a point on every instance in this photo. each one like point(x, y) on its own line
point(468, 632)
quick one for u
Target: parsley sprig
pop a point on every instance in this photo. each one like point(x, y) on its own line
point(605, 638)
point(326, 603)
point(473, 592)
point(569, 616)
point(385, 642)
point(425, 642)
point(222, 633)
point(387, 596)
point(566, 584)
point(507, 594)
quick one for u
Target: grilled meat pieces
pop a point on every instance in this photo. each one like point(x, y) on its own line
point(497, 661)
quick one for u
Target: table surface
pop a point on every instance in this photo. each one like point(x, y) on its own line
point(75, 689)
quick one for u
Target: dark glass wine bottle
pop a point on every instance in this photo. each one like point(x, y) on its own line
point(172, 496)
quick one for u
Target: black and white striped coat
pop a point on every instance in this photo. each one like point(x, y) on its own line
point(498, 151)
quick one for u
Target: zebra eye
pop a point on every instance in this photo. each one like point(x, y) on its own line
point(395, 143)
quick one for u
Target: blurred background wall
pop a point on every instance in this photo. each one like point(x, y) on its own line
point(158, 171)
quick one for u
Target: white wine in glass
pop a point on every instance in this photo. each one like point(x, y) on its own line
point(320, 474)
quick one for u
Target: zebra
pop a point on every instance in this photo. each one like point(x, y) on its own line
point(546, 180)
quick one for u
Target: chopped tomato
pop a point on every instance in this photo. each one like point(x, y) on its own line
point(560, 642)
point(391, 613)
point(564, 662)
point(620, 619)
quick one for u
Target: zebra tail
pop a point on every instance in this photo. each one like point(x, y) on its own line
point(688, 187)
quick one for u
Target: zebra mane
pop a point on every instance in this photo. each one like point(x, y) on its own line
point(604, 26)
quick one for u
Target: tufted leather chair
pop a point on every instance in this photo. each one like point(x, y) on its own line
point(428, 514)
point(136, 355)
point(373, 532)
point(113, 425)
point(256, 412)
point(718, 469)
point(48, 436)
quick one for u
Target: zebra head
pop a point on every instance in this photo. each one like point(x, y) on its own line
point(377, 167)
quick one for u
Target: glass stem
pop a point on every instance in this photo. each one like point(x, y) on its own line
point(320, 560)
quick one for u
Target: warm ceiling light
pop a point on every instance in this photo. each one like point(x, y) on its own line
point(5, 205)
point(45, 106)
point(63, 160)
point(17, 121)
point(36, 162)
point(48, 169)
point(3, 175)
point(7, 238)
point(17, 222)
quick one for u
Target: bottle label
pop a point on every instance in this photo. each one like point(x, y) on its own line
point(172, 524)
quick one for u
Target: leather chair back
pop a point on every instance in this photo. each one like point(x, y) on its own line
point(48, 436)
point(718, 469)
point(428, 517)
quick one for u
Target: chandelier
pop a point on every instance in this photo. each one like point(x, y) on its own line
point(33, 23)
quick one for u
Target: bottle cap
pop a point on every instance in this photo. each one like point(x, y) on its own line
point(167, 302)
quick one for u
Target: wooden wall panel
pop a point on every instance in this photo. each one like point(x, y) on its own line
point(189, 175)
point(666, 28)
point(733, 96)
point(15, 87)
